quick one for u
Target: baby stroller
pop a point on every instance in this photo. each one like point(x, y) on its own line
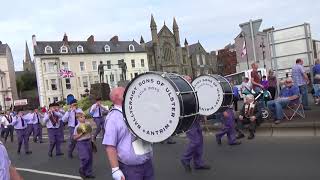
point(262, 97)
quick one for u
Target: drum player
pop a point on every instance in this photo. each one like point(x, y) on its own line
point(118, 140)
point(195, 147)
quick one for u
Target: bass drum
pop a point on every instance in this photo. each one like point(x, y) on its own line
point(159, 105)
point(214, 93)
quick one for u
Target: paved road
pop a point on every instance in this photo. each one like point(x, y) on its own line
point(262, 158)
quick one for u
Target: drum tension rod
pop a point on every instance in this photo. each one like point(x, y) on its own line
point(189, 115)
point(186, 92)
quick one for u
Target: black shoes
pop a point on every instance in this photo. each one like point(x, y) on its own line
point(240, 136)
point(251, 136)
point(218, 141)
point(203, 167)
point(90, 177)
point(235, 143)
point(59, 154)
point(186, 166)
point(28, 152)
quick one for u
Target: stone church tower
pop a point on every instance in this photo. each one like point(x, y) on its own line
point(28, 64)
point(164, 50)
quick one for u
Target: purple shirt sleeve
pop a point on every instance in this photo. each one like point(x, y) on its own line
point(111, 128)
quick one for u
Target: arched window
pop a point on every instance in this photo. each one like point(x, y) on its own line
point(168, 54)
point(131, 48)
point(106, 48)
point(48, 50)
point(80, 49)
point(63, 49)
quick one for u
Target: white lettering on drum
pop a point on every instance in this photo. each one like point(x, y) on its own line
point(151, 85)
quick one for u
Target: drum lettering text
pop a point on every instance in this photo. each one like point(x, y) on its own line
point(145, 81)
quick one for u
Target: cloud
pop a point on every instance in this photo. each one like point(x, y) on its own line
point(213, 23)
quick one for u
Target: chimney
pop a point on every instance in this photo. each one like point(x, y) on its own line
point(90, 39)
point(34, 40)
point(65, 39)
point(115, 39)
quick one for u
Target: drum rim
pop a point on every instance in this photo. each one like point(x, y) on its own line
point(211, 75)
point(125, 92)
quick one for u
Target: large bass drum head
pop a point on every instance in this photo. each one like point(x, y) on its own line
point(210, 94)
point(151, 107)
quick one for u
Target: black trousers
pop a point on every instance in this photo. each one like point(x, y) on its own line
point(8, 131)
point(272, 91)
point(235, 103)
point(245, 121)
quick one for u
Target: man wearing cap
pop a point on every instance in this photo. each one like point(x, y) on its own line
point(7, 171)
point(97, 111)
point(52, 119)
point(20, 125)
point(70, 118)
point(195, 147)
point(289, 94)
point(126, 164)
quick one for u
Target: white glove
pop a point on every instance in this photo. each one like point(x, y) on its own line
point(117, 174)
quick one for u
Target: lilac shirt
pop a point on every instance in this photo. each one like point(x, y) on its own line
point(4, 163)
point(118, 135)
point(94, 110)
point(69, 117)
point(17, 122)
point(298, 75)
point(49, 124)
point(32, 118)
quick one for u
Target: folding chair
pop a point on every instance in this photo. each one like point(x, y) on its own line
point(294, 109)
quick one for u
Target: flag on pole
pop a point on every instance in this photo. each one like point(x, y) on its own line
point(244, 49)
point(64, 73)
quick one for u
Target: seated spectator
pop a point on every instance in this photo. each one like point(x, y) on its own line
point(289, 94)
point(316, 81)
point(248, 115)
point(246, 86)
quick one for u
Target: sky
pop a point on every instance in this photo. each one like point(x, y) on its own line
point(215, 23)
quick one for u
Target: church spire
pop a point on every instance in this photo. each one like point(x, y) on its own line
point(153, 22)
point(175, 25)
point(27, 57)
point(141, 40)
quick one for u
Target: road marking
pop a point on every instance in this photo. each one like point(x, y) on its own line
point(49, 173)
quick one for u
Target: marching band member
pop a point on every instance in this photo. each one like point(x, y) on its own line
point(52, 119)
point(7, 171)
point(35, 119)
point(70, 117)
point(82, 134)
point(195, 147)
point(97, 111)
point(6, 121)
point(228, 128)
point(61, 127)
point(30, 126)
point(125, 163)
point(20, 125)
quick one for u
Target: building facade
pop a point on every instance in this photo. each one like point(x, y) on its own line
point(227, 61)
point(8, 88)
point(82, 59)
point(166, 54)
point(262, 48)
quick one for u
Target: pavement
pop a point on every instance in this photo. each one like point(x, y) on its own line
point(275, 158)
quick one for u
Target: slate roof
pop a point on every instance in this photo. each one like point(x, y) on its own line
point(96, 48)
point(3, 49)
